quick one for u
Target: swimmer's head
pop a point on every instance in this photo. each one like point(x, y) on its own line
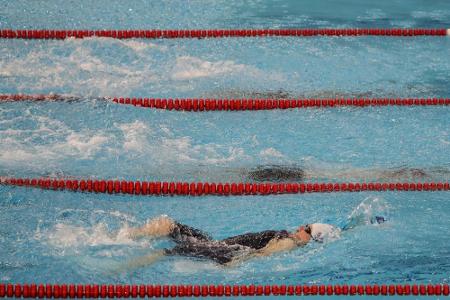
point(302, 234)
point(324, 232)
point(317, 232)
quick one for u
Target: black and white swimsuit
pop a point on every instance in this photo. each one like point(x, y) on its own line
point(195, 243)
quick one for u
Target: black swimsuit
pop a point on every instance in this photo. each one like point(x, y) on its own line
point(195, 243)
point(277, 173)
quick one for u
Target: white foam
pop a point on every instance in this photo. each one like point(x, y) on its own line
point(135, 45)
point(99, 212)
point(121, 215)
point(270, 153)
point(141, 47)
point(135, 136)
point(182, 149)
point(402, 23)
point(78, 67)
point(10, 155)
point(159, 145)
point(437, 15)
point(164, 147)
point(43, 69)
point(19, 146)
point(255, 141)
point(188, 67)
point(82, 145)
point(68, 236)
point(372, 14)
point(166, 130)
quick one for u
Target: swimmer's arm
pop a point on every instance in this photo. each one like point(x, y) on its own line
point(158, 227)
point(142, 261)
point(272, 247)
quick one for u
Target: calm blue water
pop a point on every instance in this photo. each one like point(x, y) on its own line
point(65, 237)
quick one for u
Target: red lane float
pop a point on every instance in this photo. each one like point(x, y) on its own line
point(200, 104)
point(218, 33)
point(218, 189)
point(18, 290)
point(270, 104)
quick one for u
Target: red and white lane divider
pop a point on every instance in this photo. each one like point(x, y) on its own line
point(218, 33)
point(217, 189)
point(238, 104)
point(126, 291)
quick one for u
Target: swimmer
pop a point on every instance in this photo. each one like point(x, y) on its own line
point(281, 94)
point(280, 173)
point(46, 97)
point(192, 242)
point(277, 173)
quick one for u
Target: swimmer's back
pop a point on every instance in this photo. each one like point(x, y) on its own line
point(256, 240)
point(226, 250)
point(277, 173)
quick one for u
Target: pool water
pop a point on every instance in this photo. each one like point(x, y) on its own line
point(49, 236)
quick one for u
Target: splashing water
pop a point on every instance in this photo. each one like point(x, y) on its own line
point(66, 236)
point(368, 212)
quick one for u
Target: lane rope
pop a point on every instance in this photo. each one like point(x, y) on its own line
point(18, 290)
point(200, 104)
point(217, 189)
point(218, 33)
point(271, 104)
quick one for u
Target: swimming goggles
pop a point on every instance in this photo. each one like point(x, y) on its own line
point(308, 229)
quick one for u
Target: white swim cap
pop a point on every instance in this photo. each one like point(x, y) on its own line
point(324, 232)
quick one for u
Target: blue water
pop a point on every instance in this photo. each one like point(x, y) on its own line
point(49, 236)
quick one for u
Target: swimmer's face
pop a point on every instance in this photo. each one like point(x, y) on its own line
point(303, 233)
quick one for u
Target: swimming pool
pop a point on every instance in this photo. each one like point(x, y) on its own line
point(50, 236)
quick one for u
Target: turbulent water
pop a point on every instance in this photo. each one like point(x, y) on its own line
point(48, 236)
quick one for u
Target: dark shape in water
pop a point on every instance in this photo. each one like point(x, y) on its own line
point(407, 172)
point(277, 173)
point(379, 219)
point(283, 94)
point(280, 173)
